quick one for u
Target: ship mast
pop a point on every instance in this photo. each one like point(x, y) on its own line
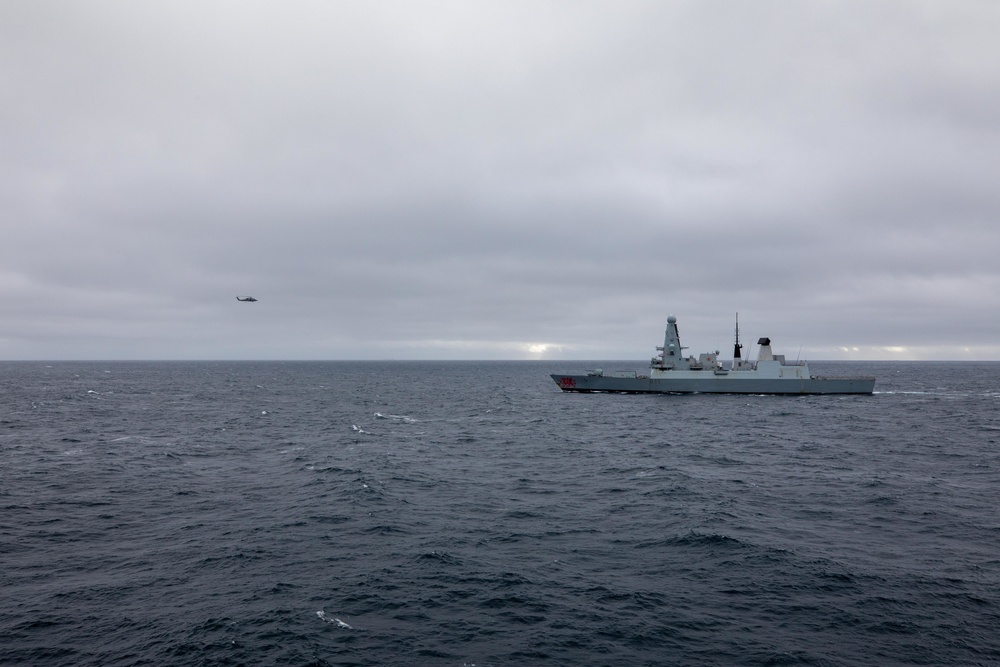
point(738, 349)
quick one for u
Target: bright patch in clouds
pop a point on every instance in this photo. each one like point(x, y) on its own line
point(542, 350)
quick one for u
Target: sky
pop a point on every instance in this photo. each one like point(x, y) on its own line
point(478, 179)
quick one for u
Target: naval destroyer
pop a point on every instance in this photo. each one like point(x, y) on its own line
point(672, 373)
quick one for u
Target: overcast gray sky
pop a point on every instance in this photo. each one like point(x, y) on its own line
point(498, 179)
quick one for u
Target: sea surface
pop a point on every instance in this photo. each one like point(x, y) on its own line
point(471, 514)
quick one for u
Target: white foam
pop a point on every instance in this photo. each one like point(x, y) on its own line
point(402, 418)
point(340, 623)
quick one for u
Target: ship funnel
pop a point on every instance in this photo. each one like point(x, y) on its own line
point(765, 353)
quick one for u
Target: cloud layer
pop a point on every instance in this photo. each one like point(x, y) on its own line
point(498, 179)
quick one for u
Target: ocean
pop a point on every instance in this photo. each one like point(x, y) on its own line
point(471, 514)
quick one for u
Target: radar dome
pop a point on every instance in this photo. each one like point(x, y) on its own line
point(672, 320)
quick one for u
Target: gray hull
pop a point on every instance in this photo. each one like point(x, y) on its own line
point(730, 383)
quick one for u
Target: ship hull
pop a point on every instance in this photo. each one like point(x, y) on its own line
point(731, 383)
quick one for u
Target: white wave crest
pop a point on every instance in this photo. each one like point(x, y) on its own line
point(337, 621)
point(402, 418)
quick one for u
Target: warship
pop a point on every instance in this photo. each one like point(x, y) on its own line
point(672, 373)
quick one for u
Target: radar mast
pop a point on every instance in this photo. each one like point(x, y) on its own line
point(738, 349)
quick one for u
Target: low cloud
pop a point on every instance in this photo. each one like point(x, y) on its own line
point(497, 180)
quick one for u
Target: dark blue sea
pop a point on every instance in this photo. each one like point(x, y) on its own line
point(470, 513)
